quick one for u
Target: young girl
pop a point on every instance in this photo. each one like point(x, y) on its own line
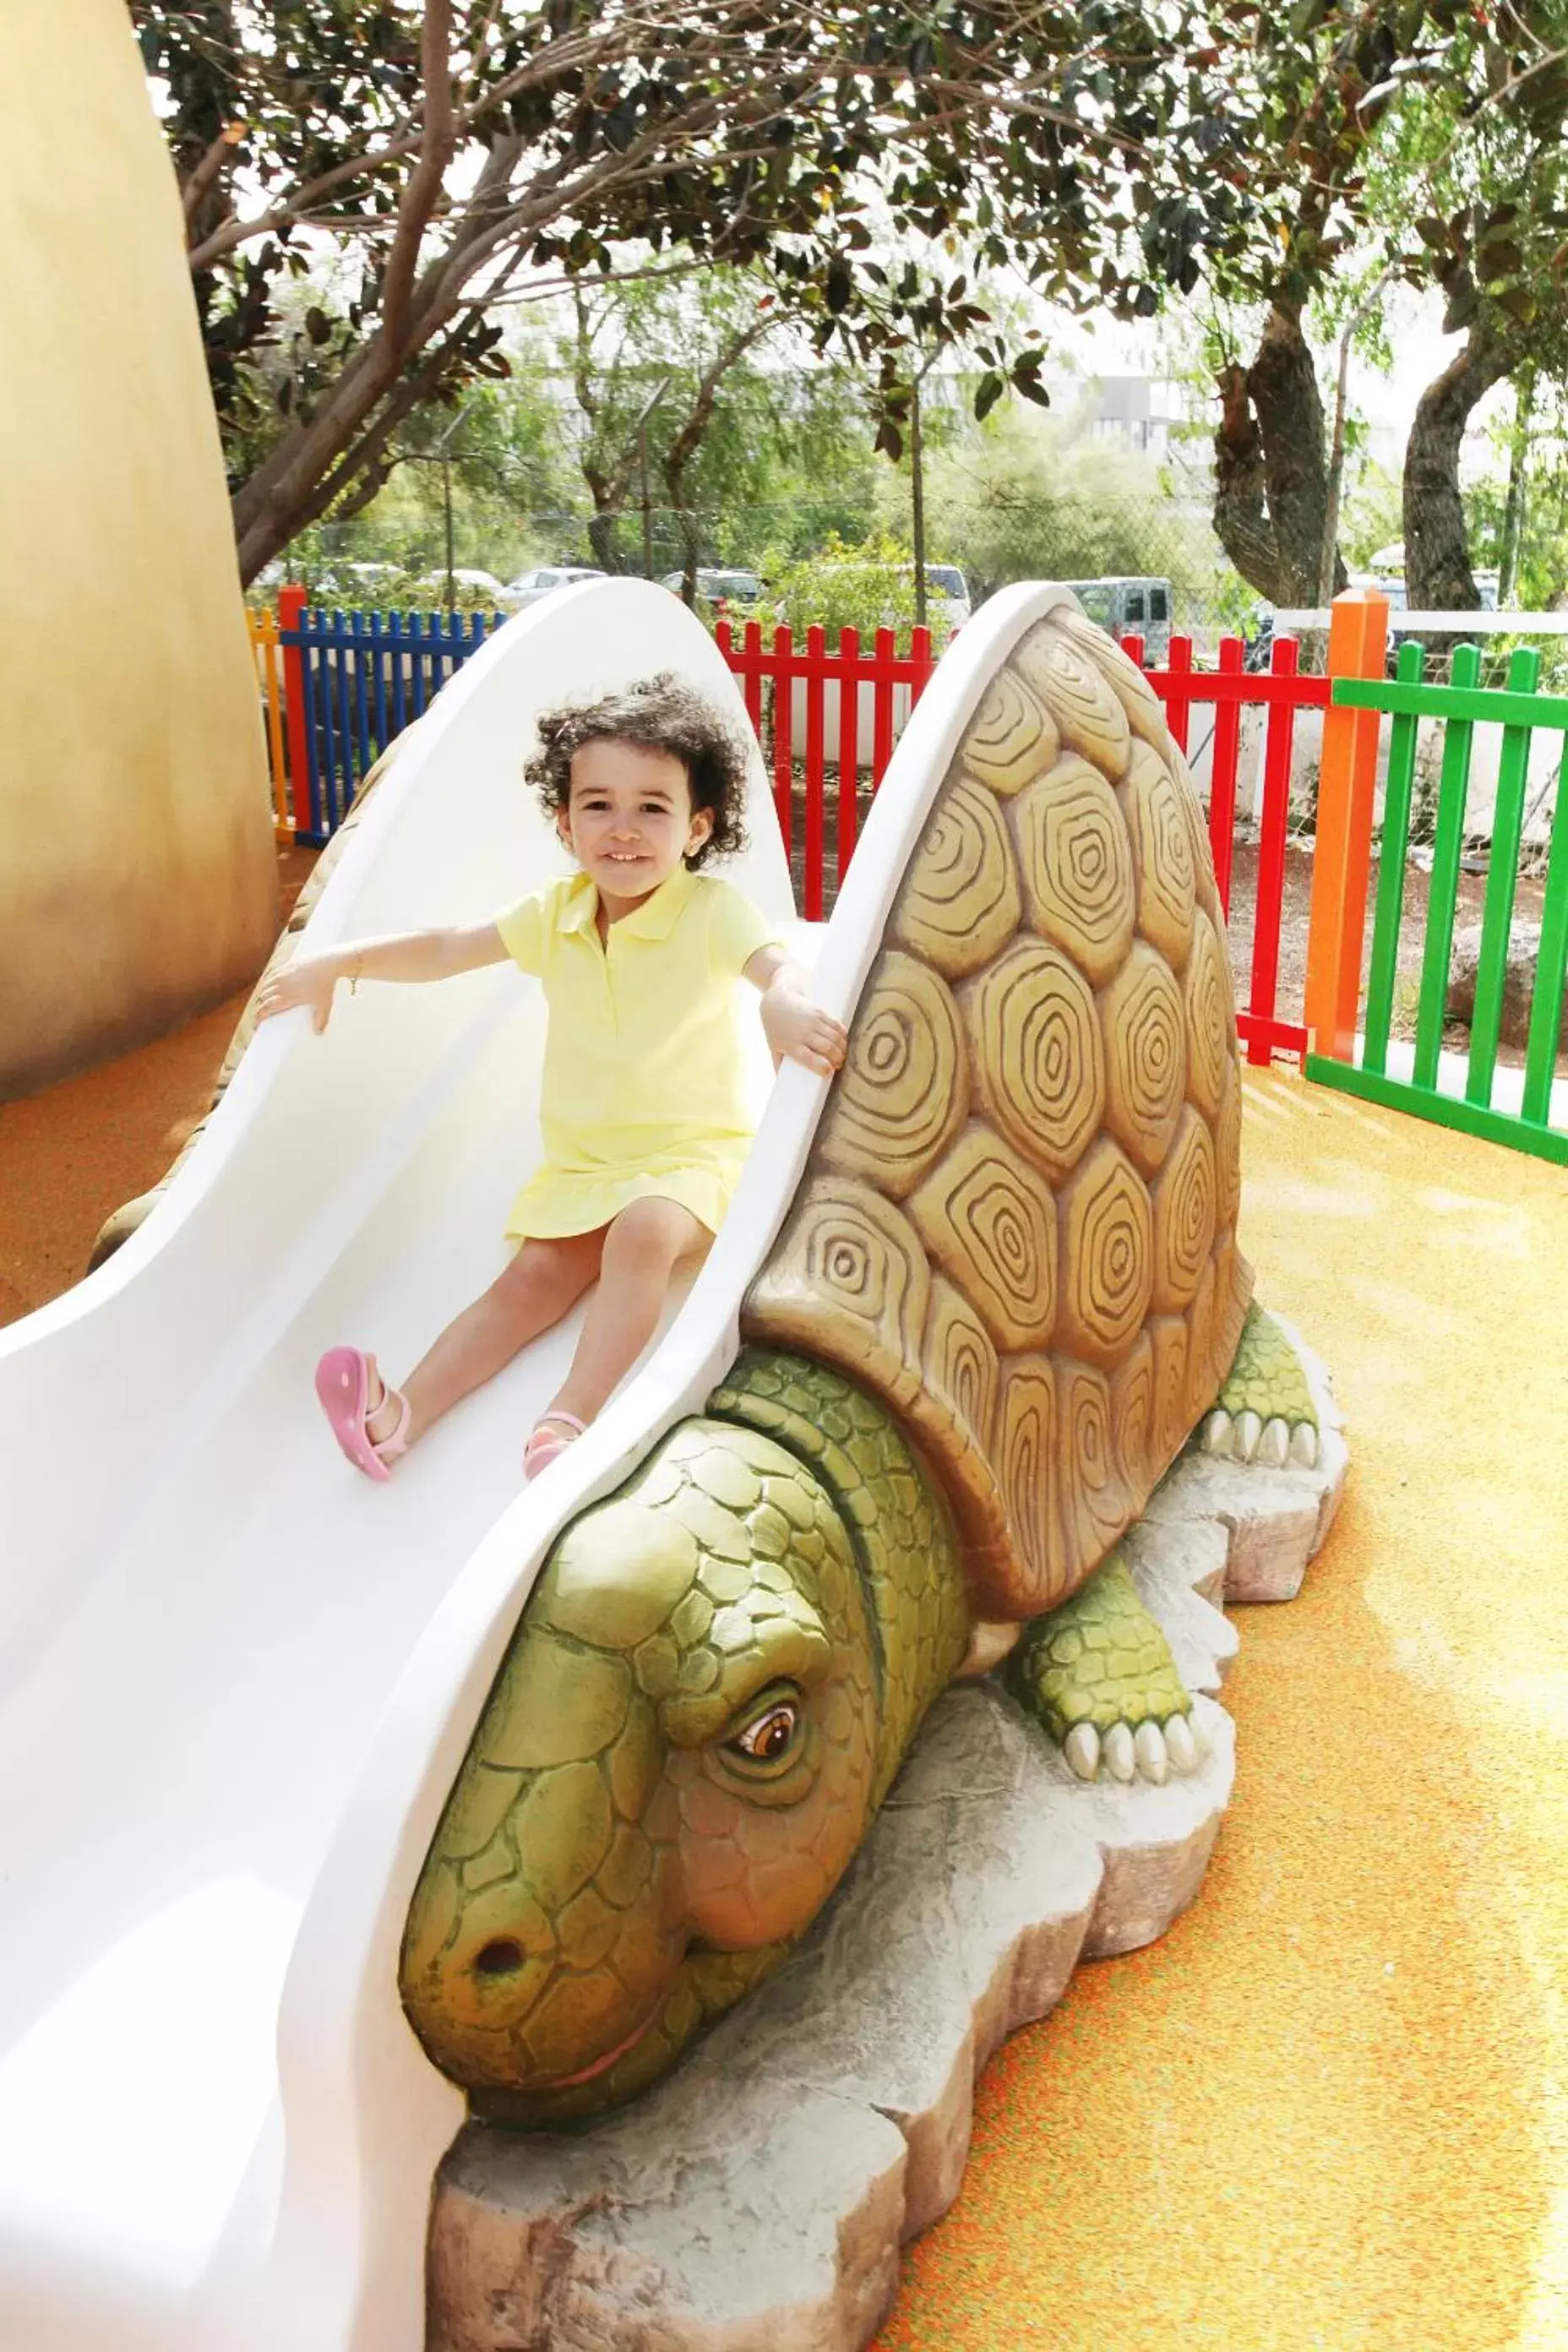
point(641, 1111)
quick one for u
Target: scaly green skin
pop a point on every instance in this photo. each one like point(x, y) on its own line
point(1267, 1377)
point(1098, 1658)
point(611, 1872)
point(913, 1580)
point(614, 1870)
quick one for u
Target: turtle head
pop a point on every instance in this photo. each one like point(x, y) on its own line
point(673, 1769)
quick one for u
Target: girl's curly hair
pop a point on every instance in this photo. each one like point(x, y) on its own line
point(661, 714)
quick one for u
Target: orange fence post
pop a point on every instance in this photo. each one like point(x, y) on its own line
point(1358, 645)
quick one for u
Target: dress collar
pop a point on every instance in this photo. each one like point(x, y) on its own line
point(654, 919)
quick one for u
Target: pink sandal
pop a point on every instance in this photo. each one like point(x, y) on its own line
point(343, 1384)
point(544, 1443)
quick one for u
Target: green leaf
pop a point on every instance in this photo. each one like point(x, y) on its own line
point(987, 392)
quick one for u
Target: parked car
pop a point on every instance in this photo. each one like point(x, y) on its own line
point(1392, 585)
point(716, 585)
point(948, 604)
point(1129, 606)
point(354, 586)
point(544, 581)
point(483, 583)
point(946, 586)
point(948, 601)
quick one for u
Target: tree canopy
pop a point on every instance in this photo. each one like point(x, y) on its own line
point(450, 151)
point(1407, 141)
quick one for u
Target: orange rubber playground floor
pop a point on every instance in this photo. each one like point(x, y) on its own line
point(1329, 2113)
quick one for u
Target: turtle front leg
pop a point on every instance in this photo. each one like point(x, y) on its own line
point(1265, 1411)
point(1097, 1675)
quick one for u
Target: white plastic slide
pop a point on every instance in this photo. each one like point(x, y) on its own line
point(236, 1679)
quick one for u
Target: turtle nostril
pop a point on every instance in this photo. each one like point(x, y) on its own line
point(498, 1959)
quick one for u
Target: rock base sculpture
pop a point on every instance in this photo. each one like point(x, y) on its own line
point(758, 2197)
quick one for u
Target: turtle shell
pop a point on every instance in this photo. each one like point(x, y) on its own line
point(1017, 1222)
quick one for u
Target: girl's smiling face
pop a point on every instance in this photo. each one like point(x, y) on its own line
point(630, 821)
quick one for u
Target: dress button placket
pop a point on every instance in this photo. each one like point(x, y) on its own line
point(610, 958)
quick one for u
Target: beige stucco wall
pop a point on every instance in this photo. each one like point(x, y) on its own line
point(137, 878)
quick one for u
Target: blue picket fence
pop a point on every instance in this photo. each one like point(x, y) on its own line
point(364, 676)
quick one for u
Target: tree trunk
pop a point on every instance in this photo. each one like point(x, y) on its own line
point(1518, 461)
point(686, 522)
point(602, 537)
point(1438, 574)
point(290, 487)
point(690, 552)
point(1271, 476)
point(689, 439)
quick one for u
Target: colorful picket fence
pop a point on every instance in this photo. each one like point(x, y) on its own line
point(1279, 692)
point(1357, 1061)
point(338, 687)
point(811, 708)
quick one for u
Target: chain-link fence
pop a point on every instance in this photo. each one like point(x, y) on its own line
point(1078, 533)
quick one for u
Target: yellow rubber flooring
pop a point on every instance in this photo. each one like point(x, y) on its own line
point(1330, 2109)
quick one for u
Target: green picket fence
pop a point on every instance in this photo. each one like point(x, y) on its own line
point(1462, 704)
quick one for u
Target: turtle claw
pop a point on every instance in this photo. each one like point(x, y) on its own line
point(1097, 1675)
point(1153, 1752)
point(1265, 1412)
point(1274, 1444)
point(1180, 1744)
point(1149, 1748)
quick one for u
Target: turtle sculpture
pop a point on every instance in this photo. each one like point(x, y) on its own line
point(1007, 1293)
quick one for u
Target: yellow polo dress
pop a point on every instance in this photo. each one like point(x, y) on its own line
point(642, 1093)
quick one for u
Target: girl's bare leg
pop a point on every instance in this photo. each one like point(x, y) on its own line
point(542, 1281)
point(642, 1247)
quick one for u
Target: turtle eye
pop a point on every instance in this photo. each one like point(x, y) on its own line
point(769, 1737)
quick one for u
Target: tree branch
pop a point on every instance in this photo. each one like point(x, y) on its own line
point(204, 172)
point(369, 449)
point(584, 53)
point(289, 474)
point(423, 193)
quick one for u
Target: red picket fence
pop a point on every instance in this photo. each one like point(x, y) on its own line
point(1281, 691)
point(810, 708)
point(818, 697)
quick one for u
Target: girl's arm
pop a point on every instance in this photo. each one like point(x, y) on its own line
point(310, 980)
point(794, 1024)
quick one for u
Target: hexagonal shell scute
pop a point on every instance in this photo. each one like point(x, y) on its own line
point(1018, 1222)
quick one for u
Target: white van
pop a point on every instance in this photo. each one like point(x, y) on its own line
point(1126, 606)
